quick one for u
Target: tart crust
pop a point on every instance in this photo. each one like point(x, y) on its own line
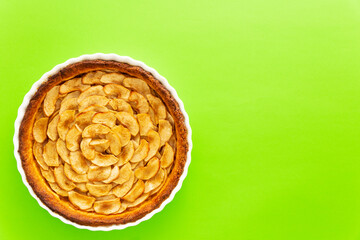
point(55, 202)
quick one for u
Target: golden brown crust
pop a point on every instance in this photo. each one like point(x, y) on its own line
point(51, 199)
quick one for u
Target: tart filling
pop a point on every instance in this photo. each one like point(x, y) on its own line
point(104, 141)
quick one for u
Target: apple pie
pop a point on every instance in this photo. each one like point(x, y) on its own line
point(103, 142)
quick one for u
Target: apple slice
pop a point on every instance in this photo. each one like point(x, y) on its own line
point(141, 152)
point(128, 121)
point(103, 160)
point(39, 129)
point(62, 150)
point(73, 176)
point(50, 154)
point(112, 78)
point(167, 157)
point(137, 85)
point(62, 180)
point(80, 200)
point(65, 121)
point(165, 131)
point(135, 191)
point(92, 91)
point(122, 189)
point(116, 91)
point(139, 102)
point(157, 105)
point(93, 77)
point(145, 123)
point(126, 154)
point(154, 144)
point(73, 138)
point(78, 162)
point(107, 118)
point(149, 171)
point(107, 206)
point(91, 100)
point(124, 174)
point(97, 174)
point(73, 85)
point(98, 190)
point(52, 132)
point(38, 154)
point(94, 130)
point(50, 100)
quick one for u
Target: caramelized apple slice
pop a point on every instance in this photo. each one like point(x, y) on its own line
point(137, 85)
point(102, 160)
point(149, 171)
point(50, 100)
point(117, 91)
point(75, 94)
point(107, 118)
point(48, 175)
point(73, 138)
point(98, 190)
point(81, 187)
point(113, 175)
point(92, 100)
point(78, 162)
point(115, 144)
point(83, 119)
point(154, 144)
point(153, 117)
point(52, 132)
point(66, 119)
point(94, 130)
point(63, 151)
point(145, 123)
point(167, 156)
point(107, 206)
point(139, 200)
point(72, 175)
point(124, 174)
point(122, 208)
point(141, 152)
point(98, 174)
point(39, 129)
point(73, 85)
point(62, 180)
point(87, 150)
point(95, 108)
point(58, 190)
point(80, 200)
point(135, 192)
point(112, 78)
point(100, 145)
point(92, 91)
point(50, 155)
point(120, 105)
point(126, 154)
point(128, 121)
point(139, 102)
point(165, 131)
point(123, 133)
point(93, 77)
point(157, 105)
point(38, 154)
point(122, 189)
point(154, 182)
point(68, 104)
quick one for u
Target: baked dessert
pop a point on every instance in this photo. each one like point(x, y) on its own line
point(103, 142)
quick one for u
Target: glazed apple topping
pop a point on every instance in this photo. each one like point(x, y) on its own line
point(104, 142)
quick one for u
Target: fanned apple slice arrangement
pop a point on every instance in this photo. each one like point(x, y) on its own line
point(104, 141)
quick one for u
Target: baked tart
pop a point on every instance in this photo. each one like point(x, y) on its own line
point(103, 142)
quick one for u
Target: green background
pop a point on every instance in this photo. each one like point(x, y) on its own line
point(272, 88)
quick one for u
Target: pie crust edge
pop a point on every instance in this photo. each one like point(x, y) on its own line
point(54, 201)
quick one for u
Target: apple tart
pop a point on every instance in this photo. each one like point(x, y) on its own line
point(103, 142)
